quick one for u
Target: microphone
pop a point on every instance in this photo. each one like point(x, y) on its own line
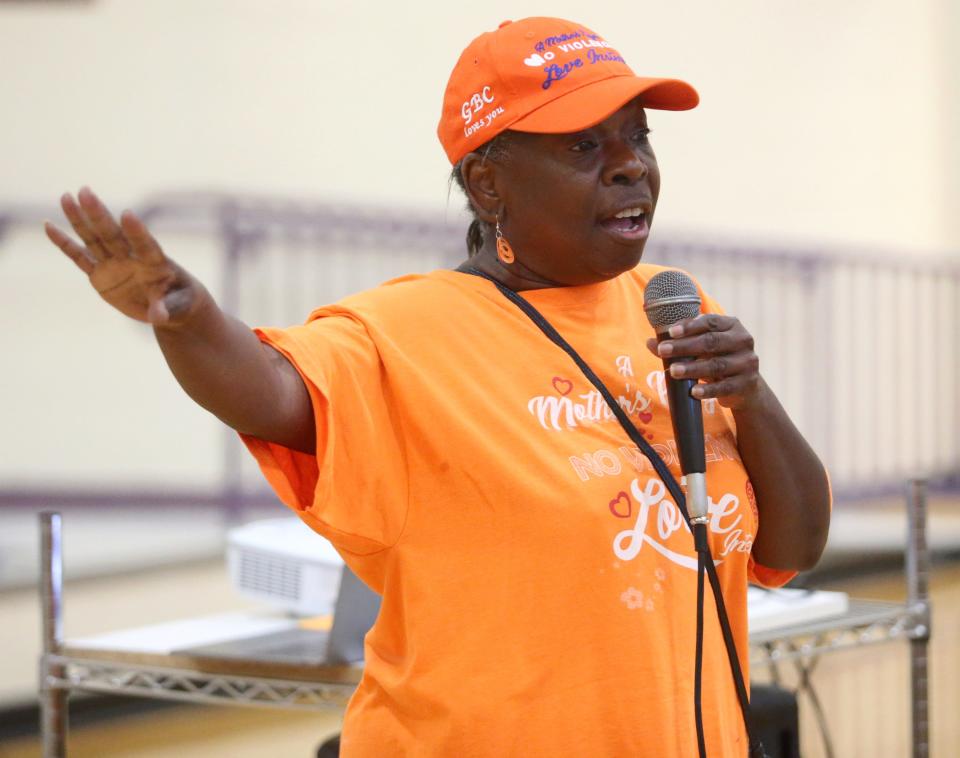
point(669, 297)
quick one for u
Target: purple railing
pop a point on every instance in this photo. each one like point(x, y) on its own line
point(864, 351)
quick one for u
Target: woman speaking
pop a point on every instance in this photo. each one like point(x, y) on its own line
point(538, 575)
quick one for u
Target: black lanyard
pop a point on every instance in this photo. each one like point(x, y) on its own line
point(704, 562)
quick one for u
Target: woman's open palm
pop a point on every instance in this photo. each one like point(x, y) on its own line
point(124, 263)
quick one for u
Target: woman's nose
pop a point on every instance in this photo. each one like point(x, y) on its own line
point(625, 165)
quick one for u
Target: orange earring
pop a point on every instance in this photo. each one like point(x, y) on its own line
point(504, 251)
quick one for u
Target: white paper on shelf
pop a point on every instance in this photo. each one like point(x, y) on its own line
point(176, 635)
point(768, 610)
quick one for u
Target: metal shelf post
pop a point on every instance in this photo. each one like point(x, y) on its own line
point(918, 602)
point(53, 694)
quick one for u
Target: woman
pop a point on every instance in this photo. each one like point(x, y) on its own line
point(538, 593)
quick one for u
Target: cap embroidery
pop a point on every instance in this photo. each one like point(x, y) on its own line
point(555, 72)
point(470, 110)
point(595, 57)
point(538, 60)
point(476, 103)
point(551, 41)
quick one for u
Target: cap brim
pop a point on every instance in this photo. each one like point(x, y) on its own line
point(592, 103)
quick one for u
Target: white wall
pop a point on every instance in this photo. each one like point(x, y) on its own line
point(820, 121)
point(948, 102)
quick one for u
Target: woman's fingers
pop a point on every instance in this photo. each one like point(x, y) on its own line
point(716, 351)
point(70, 248)
point(707, 334)
point(717, 367)
point(705, 322)
point(145, 247)
point(103, 236)
point(81, 226)
point(101, 222)
point(730, 391)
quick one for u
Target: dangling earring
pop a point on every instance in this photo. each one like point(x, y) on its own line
point(504, 251)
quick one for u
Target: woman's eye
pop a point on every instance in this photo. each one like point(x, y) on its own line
point(583, 145)
point(642, 135)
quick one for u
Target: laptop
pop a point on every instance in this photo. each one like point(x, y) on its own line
point(355, 610)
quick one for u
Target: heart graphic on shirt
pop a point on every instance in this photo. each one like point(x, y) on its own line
point(620, 504)
point(534, 60)
point(563, 386)
point(646, 417)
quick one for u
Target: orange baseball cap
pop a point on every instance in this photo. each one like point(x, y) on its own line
point(543, 75)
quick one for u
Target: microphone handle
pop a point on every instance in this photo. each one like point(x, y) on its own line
point(687, 417)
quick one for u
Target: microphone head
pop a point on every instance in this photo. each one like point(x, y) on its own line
point(669, 297)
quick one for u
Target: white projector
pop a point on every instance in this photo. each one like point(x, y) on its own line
point(284, 563)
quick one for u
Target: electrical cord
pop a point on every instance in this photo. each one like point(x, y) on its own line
point(698, 655)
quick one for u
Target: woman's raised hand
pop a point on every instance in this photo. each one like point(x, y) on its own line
point(217, 359)
point(124, 263)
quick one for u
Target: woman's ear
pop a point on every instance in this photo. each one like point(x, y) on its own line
point(480, 185)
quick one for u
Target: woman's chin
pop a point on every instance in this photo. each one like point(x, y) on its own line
point(627, 258)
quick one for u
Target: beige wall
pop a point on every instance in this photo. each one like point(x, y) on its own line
point(948, 24)
point(820, 122)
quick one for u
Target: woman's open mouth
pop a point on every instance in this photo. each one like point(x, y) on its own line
point(628, 224)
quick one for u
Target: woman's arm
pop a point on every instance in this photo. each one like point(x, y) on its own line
point(217, 359)
point(790, 483)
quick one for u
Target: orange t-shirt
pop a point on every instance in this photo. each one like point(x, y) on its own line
point(538, 582)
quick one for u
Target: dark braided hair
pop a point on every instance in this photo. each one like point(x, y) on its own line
point(496, 149)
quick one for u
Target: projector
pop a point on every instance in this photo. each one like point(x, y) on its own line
point(284, 563)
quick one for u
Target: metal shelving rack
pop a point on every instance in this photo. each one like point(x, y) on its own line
point(261, 684)
point(196, 686)
point(869, 622)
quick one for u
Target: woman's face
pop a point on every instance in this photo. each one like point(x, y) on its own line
point(577, 207)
